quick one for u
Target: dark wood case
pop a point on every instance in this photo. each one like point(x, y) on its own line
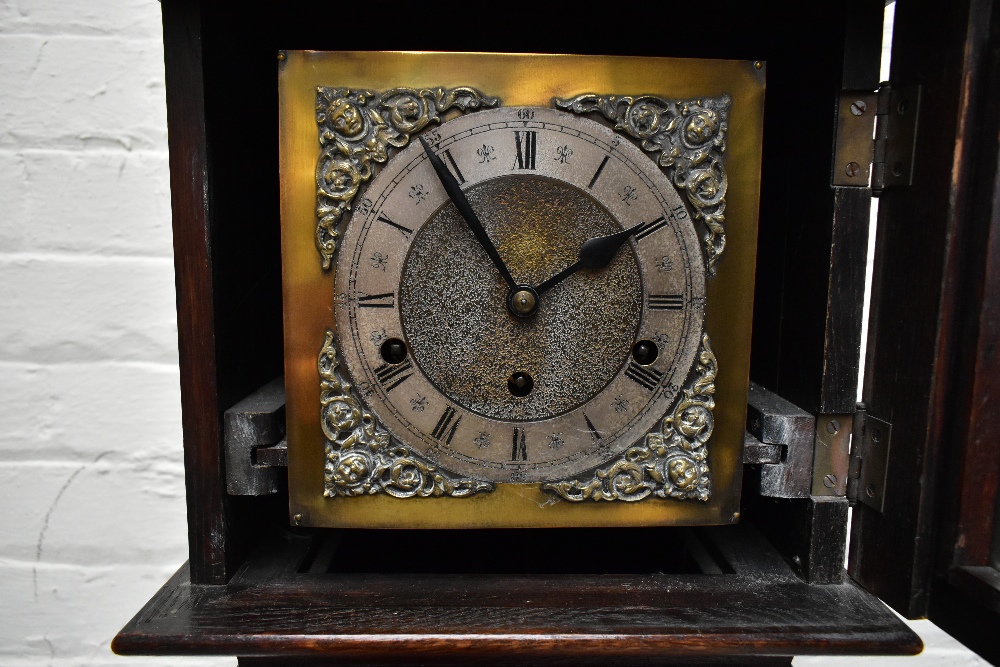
point(756, 593)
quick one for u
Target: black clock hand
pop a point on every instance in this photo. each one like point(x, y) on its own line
point(462, 204)
point(596, 253)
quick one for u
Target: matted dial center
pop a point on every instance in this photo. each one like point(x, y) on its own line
point(454, 304)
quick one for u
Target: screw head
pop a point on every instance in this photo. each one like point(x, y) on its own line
point(858, 107)
point(830, 481)
point(852, 169)
point(297, 519)
point(870, 490)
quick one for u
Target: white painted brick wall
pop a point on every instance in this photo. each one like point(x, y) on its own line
point(91, 479)
point(91, 475)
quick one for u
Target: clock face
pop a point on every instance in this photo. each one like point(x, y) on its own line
point(425, 323)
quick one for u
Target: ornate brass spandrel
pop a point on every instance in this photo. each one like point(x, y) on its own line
point(361, 458)
point(671, 463)
point(690, 137)
point(357, 128)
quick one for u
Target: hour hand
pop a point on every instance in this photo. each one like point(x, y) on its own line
point(462, 204)
point(596, 253)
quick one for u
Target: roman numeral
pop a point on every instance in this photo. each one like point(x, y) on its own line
point(454, 166)
point(405, 230)
point(646, 377)
point(650, 227)
point(665, 302)
point(597, 173)
point(387, 300)
point(388, 374)
point(442, 426)
point(518, 451)
point(525, 142)
point(590, 426)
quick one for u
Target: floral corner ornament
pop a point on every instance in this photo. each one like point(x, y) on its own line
point(361, 459)
point(356, 130)
point(671, 463)
point(689, 135)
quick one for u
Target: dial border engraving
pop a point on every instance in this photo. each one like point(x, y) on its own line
point(360, 457)
point(689, 155)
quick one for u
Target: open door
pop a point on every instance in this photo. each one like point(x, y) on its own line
point(932, 381)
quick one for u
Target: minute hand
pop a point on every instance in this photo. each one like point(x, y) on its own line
point(596, 253)
point(462, 204)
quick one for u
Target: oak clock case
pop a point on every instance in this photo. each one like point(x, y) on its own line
point(510, 303)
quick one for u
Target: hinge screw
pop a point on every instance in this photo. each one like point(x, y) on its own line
point(852, 169)
point(858, 107)
point(830, 481)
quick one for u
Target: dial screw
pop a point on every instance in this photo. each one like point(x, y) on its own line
point(645, 352)
point(393, 351)
point(520, 384)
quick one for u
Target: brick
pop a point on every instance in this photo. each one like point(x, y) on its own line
point(132, 18)
point(61, 308)
point(14, 217)
point(73, 412)
point(112, 510)
point(81, 92)
point(67, 616)
point(109, 202)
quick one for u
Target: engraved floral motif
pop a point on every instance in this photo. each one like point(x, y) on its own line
point(357, 129)
point(689, 135)
point(670, 463)
point(361, 458)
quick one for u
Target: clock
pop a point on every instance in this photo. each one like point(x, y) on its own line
point(510, 307)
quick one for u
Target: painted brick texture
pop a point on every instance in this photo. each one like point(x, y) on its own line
point(91, 475)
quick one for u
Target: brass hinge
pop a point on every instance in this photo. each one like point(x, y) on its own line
point(868, 468)
point(876, 133)
point(895, 137)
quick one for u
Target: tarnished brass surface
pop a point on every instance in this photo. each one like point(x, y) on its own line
point(517, 80)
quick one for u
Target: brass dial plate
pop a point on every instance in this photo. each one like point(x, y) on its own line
point(519, 80)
